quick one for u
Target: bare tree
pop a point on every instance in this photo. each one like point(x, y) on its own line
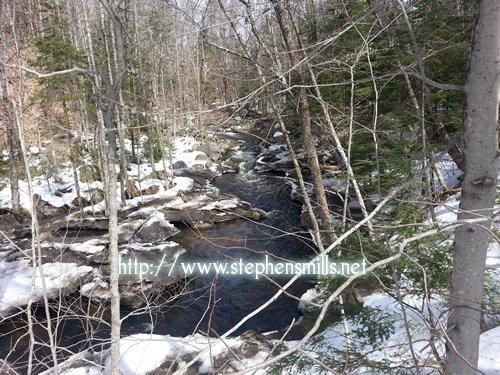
point(108, 116)
point(9, 117)
point(281, 9)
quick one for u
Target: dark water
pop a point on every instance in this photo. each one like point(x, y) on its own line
point(208, 303)
point(279, 235)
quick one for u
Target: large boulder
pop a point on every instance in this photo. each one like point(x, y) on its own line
point(179, 164)
point(212, 150)
point(156, 229)
point(81, 202)
point(96, 195)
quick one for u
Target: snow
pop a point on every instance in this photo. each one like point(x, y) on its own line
point(224, 204)
point(449, 170)
point(46, 188)
point(89, 370)
point(144, 353)
point(159, 217)
point(91, 246)
point(151, 247)
point(489, 346)
point(16, 281)
point(308, 296)
point(184, 184)
point(141, 354)
point(446, 213)
point(493, 259)
point(179, 204)
point(97, 288)
point(395, 348)
point(277, 147)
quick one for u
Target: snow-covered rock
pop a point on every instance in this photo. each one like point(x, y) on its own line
point(17, 277)
point(156, 229)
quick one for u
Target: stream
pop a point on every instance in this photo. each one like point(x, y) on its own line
point(238, 295)
point(214, 305)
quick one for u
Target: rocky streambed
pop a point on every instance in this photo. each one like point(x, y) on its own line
point(220, 209)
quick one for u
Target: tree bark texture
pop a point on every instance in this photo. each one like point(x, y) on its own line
point(478, 192)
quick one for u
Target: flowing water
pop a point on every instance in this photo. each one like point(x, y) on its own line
point(279, 235)
point(211, 304)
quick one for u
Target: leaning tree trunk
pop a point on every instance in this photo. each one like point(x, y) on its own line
point(305, 120)
point(478, 192)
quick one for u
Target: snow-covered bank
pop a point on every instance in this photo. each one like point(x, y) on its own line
point(19, 282)
point(144, 354)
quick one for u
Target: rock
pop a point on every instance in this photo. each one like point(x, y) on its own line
point(138, 294)
point(202, 157)
point(89, 173)
point(131, 191)
point(166, 368)
point(212, 150)
point(156, 230)
point(81, 202)
point(100, 258)
point(61, 279)
point(127, 230)
point(96, 195)
point(179, 164)
point(150, 190)
point(45, 210)
point(203, 225)
point(16, 223)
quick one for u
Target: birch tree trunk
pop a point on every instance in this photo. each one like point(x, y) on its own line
point(478, 192)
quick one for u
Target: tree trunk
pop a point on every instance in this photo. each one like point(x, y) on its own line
point(11, 131)
point(108, 115)
point(305, 120)
point(478, 192)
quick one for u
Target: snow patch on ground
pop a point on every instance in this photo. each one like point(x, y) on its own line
point(489, 345)
point(224, 204)
point(16, 281)
point(159, 217)
point(150, 247)
point(144, 353)
point(91, 246)
point(179, 204)
point(63, 192)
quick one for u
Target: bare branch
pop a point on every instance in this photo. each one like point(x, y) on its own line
point(59, 72)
